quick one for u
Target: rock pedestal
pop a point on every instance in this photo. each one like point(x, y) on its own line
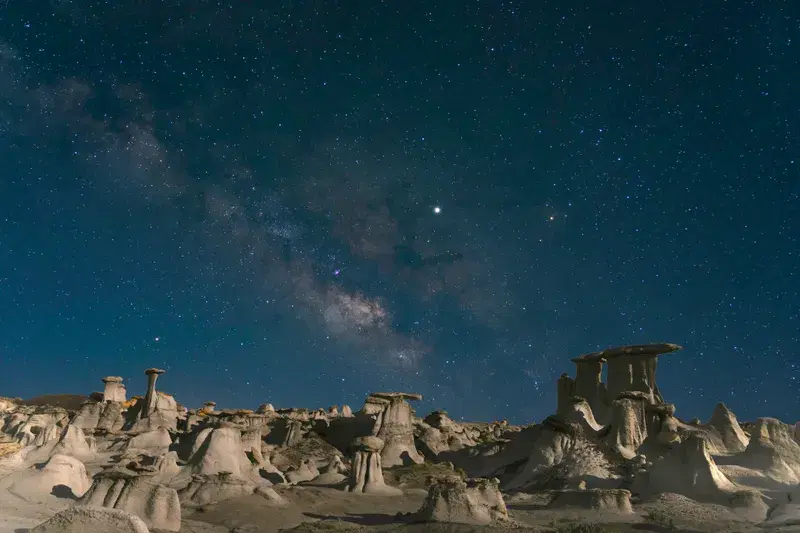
point(115, 390)
point(589, 382)
point(367, 474)
point(633, 368)
point(150, 398)
point(394, 425)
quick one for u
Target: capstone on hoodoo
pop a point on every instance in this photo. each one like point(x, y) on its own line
point(630, 368)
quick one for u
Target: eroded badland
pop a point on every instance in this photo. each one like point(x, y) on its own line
point(614, 457)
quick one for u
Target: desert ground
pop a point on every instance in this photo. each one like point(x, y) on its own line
point(614, 457)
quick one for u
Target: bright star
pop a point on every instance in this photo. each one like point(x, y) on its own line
point(437, 209)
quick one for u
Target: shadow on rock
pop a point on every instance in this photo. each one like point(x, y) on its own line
point(63, 491)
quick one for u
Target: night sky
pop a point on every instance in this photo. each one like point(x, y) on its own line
point(300, 202)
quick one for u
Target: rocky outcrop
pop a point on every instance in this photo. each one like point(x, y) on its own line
point(156, 409)
point(206, 489)
point(61, 474)
point(156, 441)
point(687, 469)
point(628, 427)
point(563, 455)
point(158, 506)
point(367, 474)
point(724, 422)
point(394, 425)
point(305, 472)
point(455, 500)
point(99, 519)
point(114, 389)
point(773, 450)
point(220, 450)
point(333, 473)
point(603, 500)
point(74, 442)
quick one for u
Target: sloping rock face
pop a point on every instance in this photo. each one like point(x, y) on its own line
point(305, 472)
point(92, 519)
point(563, 456)
point(724, 422)
point(159, 468)
point(367, 473)
point(35, 425)
point(787, 511)
point(471, 501)
point(394, 425)
point(60, 474)
point(74, 442)
point(604, 500)
point(158, 506)
point(773, 450)
point(628, 428)
point(155, 441)
point(165, 414)
point(454, 435)
point(107, 416)
point(688, 470)
point(221, 450)
point(333, 473)
point(206, 489)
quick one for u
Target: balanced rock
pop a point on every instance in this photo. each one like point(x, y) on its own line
point(394, 425)
point(367, 474)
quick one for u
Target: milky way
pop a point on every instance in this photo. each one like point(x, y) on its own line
point(306, 203)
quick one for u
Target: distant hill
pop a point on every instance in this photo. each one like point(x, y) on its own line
point(67, 401)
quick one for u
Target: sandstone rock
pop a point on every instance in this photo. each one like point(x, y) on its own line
point(605, 500)
point(333, 473)
point(725, 423)
point(74, 442)
point(688, 470)
point(773, 450)
point(158, 506)
point(305, 472)
point(91, 519)
point(394, 426)
point(61, 475)
point(471, 501)
point(367, 474)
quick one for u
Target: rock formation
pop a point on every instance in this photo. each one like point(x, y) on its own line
point(114, 389)
point(630, 368)
point(367, 473)
point(99, 519)
point(773, 450)
point(688, 469)
point(333, 473)
point(155, 504)
point(470, 501)
point(394, 426)
point(725, 423)
point(61, 472)
point(604, 500)
point(151, 456)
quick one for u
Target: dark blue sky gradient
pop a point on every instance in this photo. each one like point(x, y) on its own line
point(244, 195)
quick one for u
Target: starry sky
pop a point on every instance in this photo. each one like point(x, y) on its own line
point(300, 202)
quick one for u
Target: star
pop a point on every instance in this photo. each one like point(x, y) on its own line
point(437, 210)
